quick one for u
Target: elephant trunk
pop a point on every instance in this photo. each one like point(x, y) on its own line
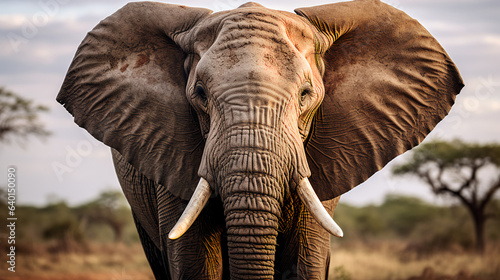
point(252, 209)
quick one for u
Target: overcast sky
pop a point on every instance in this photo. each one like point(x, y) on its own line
point(38, 39)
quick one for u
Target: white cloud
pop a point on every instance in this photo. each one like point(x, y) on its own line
point(477, 38)
point(444, 26)
point(492, 39)
point(12, 21)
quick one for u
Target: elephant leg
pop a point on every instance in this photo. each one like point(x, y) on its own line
point(141, 195)
point(314, 248)
point(304, 251)
point(153, 253)
point(198, 253)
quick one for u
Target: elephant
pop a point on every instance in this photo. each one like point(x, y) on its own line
point(234, 133)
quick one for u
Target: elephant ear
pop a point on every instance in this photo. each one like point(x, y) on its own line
point(387, 81)
point(126, 87)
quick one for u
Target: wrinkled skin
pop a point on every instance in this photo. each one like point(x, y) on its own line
point(253, 101)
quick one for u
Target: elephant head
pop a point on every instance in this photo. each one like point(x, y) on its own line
point(251, 106)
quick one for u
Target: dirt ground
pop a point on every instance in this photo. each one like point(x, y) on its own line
point(389, 261)
point(99, 262)
point(427, 274)
point(120, 262)
point(430, 274)
point(100, 276)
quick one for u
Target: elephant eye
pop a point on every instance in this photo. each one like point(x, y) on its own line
point(304, 92)
point(199, 92)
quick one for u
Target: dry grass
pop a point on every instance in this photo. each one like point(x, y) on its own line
point(95, 262)
point(382, 261)
point(390, 261)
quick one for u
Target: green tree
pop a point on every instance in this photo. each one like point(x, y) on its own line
point(19, 117)
point(55, 223)
point(109, 208)
point(402, 213)
point(468, 172)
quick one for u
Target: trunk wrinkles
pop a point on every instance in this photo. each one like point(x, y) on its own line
point(249, 159)
point(252, 206)
point(252, 192)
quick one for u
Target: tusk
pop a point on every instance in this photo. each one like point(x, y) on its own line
point(193, 209)
point(318, 211)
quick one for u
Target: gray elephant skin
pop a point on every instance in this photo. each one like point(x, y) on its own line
point(257, 119)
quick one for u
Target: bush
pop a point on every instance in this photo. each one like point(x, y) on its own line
point(423, 227)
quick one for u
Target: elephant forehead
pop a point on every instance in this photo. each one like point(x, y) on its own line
point(255, 26)
point(255, 44)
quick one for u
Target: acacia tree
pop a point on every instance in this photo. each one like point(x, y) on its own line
point(19, 117)
point(467, 172)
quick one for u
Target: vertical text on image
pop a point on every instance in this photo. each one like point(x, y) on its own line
point(11, 218)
